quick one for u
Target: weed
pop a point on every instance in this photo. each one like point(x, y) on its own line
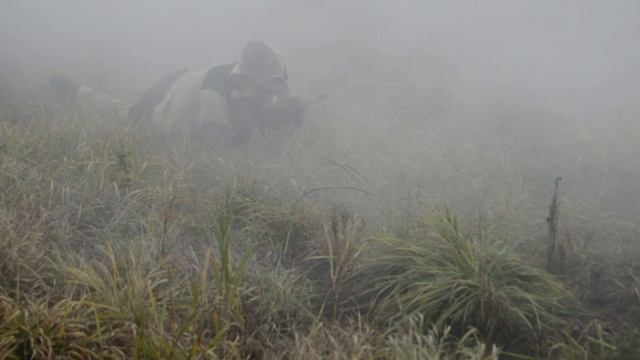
point(451, 279)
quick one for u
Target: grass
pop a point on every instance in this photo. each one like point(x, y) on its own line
point(454, 280)
point(117, 243)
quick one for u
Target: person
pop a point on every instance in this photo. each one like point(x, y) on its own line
point(233, 100)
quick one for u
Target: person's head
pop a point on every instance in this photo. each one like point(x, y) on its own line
point(63, 87)
point(260, 73)
point(260, 98)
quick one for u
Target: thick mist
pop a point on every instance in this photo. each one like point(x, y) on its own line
point(422, 179)
point(577, 50)
point(551, 86)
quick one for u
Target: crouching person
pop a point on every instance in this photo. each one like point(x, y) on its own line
point(231, 101)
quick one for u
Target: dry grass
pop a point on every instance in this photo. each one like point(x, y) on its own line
point(118, 243)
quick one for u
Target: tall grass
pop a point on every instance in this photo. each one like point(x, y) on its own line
point(454, 280)
point(119, 243)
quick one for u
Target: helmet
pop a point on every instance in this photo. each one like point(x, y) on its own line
point(260, 62)
point(64, 88)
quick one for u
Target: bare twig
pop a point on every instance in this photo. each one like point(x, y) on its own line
point(165, 223)
point(304, 194)
point(553, 253)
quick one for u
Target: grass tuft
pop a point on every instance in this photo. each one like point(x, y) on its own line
point(453, 280)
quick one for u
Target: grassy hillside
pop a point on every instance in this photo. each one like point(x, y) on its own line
point(367, 235)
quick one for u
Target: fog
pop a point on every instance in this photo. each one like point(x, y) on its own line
point(582, 51)
point(568, 70)
point(424, 179)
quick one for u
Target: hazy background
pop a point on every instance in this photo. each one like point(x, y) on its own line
point(546, 87)
point(583, 51)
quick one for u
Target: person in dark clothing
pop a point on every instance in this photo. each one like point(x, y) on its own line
point(237, 98)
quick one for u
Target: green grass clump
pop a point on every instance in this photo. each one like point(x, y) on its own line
point(414, 344)
point(454, 280)
point(68, 328)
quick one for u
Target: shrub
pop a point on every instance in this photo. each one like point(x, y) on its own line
point(450, 279)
